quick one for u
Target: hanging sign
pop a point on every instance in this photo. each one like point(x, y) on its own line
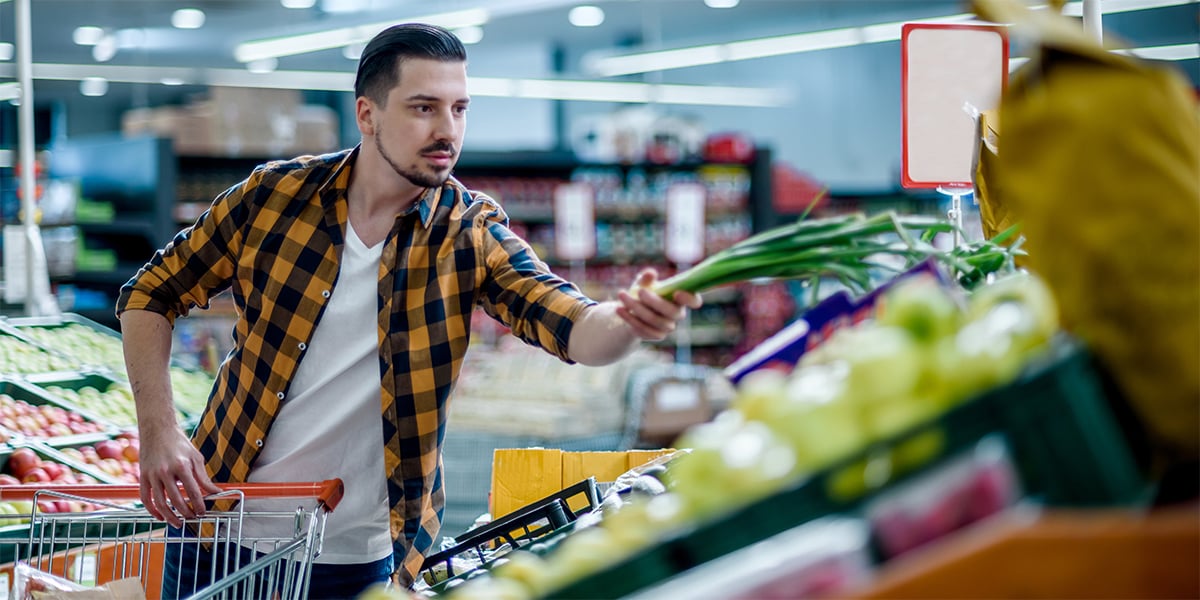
point(574, 222)
point(949, 74)
point(685, 223)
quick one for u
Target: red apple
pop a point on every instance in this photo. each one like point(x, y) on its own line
point(46, 506)
point(6, 479)
point(132, 452)
point(108, 449)
point(53, 469)
point(36, 475)
point(22, 460)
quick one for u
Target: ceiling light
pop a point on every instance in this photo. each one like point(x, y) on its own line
point(171, 81)
point(646, 62)
point(1172, 52)
point(93, 86)
point(87, 35)
point(339, 81)
point(105, 49)
point(586, 16)
point(6, 51)
point(298, 3)
point(1075, 9)
point(187, 18)
point(131, 38)
point(337, 38)
point(720, 3)
point(262, 65)
point(469, 35)
point(353, 51)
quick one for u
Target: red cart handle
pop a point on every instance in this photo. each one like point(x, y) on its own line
point(328, 493)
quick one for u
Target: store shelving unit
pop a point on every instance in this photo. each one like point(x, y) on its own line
point(124, 212)
point(629, 212)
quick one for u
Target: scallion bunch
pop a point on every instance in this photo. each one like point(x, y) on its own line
point(847, 248)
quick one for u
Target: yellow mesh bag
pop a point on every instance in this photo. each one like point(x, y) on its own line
point(1100, 162)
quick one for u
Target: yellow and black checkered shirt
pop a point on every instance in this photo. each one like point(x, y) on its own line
point(276, 238)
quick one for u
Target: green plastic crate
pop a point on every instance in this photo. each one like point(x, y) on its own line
point(1068, 449)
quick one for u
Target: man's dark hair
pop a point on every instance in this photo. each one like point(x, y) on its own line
point(377, 67)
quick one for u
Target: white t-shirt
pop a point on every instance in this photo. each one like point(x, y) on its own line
point(330, 425)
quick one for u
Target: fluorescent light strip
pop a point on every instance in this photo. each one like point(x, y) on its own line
point(359, 34)
point(8, 91)
point(1172, 52)
point(756, 48)
point(542, 89)
point(662, 60)
point(1075, 9)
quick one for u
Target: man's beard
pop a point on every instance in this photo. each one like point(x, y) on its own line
point(416, 177)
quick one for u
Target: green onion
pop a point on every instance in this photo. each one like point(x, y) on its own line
point(840, 247)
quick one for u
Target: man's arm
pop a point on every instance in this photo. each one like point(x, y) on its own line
point(168, 457)
point(608, 331)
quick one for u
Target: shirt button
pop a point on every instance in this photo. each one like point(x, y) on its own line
point(302, 346)
point(279, 395)
point(258, 443)
point(326, 294)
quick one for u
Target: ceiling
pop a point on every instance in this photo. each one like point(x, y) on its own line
point(629, 24)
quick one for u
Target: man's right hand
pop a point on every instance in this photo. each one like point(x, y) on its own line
point(169, 461)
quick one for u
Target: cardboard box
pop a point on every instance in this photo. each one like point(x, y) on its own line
point(524, 476)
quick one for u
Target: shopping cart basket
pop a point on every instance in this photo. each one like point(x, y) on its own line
point(120, 539)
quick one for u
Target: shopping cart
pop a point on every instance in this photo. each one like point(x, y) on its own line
point(119, 539)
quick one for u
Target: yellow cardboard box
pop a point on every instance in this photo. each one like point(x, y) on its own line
point(522, 476)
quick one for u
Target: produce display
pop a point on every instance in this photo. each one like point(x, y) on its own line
point(114, 404)
point(26, 466)
point(118, 457)
point(927, 350)
point(19, 356)
point(83, 344)
point(41, 421)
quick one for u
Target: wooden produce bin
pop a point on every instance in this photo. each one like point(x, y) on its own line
point(1060, 554)
point(521, 476)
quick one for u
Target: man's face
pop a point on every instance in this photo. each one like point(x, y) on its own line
point(419, 132)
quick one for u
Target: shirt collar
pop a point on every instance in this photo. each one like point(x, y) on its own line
point(339, 183)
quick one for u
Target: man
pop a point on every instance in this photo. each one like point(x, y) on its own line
point(355, 275)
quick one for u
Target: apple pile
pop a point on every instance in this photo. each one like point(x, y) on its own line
point(26, 467)
point(19, 356)
point(117, 457)
point(926, 351)
point(40, 421)
point(114, 405)
point(82, 343)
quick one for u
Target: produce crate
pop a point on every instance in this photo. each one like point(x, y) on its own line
point(102, 352)
point(20, 356)
point(32, 395)
point(117, 409)
point(1068, 450)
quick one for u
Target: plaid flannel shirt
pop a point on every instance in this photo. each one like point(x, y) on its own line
point(276, 239)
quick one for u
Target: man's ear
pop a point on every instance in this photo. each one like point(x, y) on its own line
point(363, 115)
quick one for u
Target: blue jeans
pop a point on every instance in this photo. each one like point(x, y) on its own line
point(188, 568)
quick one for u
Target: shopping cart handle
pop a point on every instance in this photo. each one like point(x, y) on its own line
point(328, 493)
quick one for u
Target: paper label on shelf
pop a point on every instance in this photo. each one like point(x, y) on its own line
point(574, 222)
point(685, 223)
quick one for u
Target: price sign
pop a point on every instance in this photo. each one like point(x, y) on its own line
point(949, 73)
point(685, 223)
point(574, 222)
